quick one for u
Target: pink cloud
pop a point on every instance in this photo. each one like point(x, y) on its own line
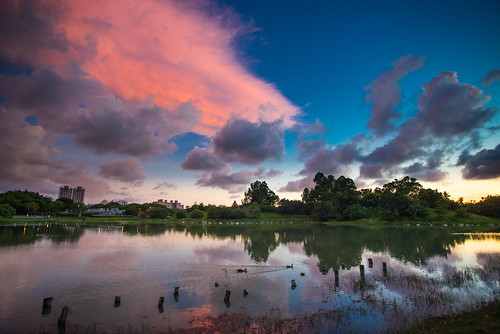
point(175, 53)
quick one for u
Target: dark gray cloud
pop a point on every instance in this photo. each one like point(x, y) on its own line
point(298, 185)
point(331, 161)
point(484, 165)
point(429, 171)
point(450, 113)
point(242, 141)
point(29, 25)
point(165, 185)
point(203, 159)
point(492, 76)
point(309, 139)
point(449, 108)
point(127, 170)
point(29, 160)
point(463, 158)
point(234, 182)
point(74, 104)
point(385, 94)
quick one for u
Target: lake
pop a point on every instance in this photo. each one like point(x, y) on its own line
point(430, 270)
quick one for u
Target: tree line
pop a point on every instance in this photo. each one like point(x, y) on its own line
point(329, 199)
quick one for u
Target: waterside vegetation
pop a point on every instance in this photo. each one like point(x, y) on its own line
point(331, 199)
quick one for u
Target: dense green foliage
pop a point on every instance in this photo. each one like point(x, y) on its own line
point(25, 202)
point(339, 199)
point(260, 193)
point(6, 210)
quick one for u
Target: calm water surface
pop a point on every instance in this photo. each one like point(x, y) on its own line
point(430, 271)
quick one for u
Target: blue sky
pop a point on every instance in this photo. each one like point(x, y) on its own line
point(195, 100)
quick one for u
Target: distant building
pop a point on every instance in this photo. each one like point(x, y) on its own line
point(65, 192)
point(76, 194)
point(105, 212)
point(171, 205)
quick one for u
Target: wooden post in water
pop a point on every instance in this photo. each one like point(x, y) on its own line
point(176, 294)
point(118, 301)
point(61, 322)
point(294, 284)
point(324, 269)
point(384, 268)
point(336, 273)
point(370, 263)
point(362, 273)
point(226, 297)
point(160, 304)
point(343, 266)
point(245, 292)
point(47, 305)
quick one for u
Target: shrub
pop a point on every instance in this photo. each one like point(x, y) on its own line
point(180, 214)
point(252, 210)
point(6, 210)
point(461, 213)
point(196, 214)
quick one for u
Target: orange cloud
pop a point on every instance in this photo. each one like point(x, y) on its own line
point(175, 53)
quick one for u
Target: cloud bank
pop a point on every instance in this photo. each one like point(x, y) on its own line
point(115, 78)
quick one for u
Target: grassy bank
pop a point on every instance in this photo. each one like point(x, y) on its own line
point(472, 223)
point(483, 318)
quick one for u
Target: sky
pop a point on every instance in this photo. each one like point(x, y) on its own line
point(195, 100)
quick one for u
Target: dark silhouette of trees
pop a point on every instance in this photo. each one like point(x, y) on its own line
point(260, 193)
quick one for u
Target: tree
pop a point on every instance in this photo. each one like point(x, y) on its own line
point(293, 207)
point(78, 208)
point(252, 210)
point(196, 214)
point(157, 212)
point(323, 210)
point(260, 193)
point(407, 186)
point(6, 210)
point(32, 208)
point(180, 214)
point(55, 208)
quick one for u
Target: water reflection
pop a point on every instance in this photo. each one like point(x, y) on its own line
point(86, 267)
point(27, 234)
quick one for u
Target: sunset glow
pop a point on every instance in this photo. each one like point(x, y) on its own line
point(194, 100)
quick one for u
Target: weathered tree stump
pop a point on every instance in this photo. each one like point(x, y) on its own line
point(370, 263)
point(302, 274)
point(245, 292)
point(336, 273)
point(176, 294)
point(324, 269)
point(118, 301)
point(160, 304)
point(47, 305)
point(226, 297)
point(61, 322)
point(362, 273)
point(343, 266)
point(216, 284)
point(294, 284)
point(384, 268)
